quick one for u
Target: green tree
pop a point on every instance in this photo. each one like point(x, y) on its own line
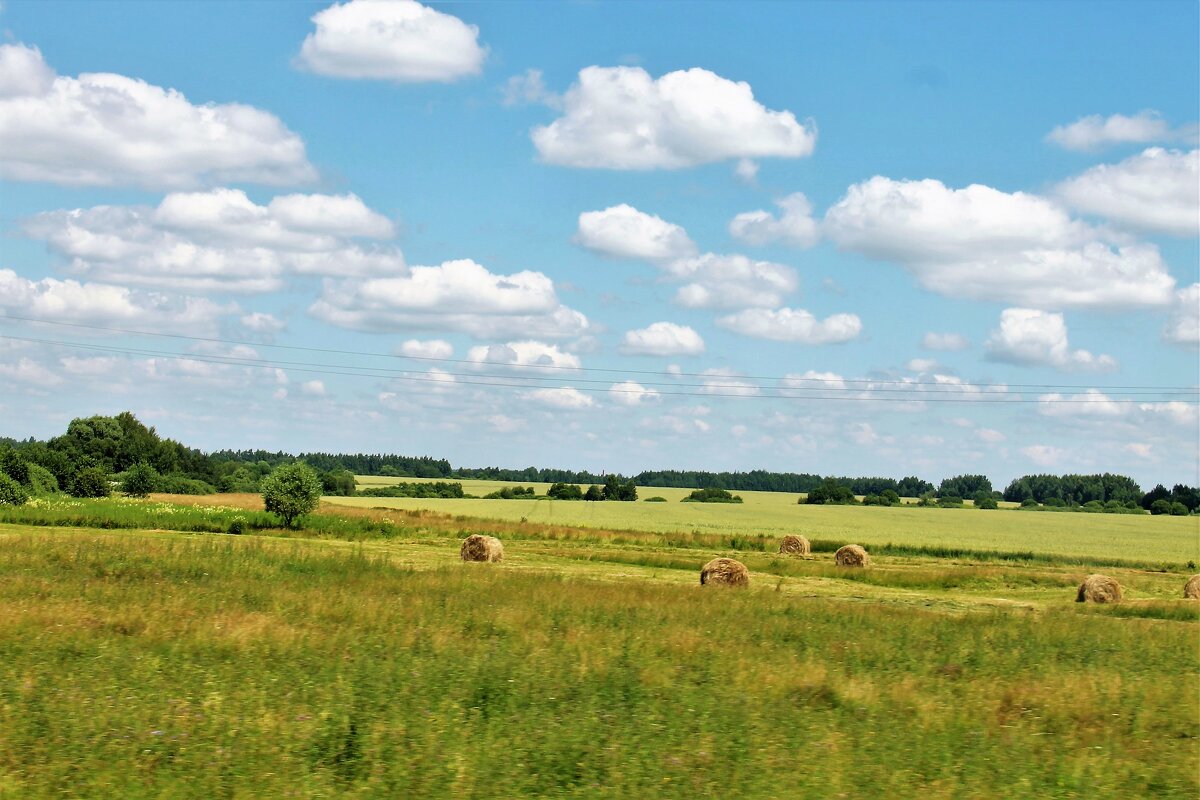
point(91, 482)
point(291, 491)
point(140, 480)
point(593, 493)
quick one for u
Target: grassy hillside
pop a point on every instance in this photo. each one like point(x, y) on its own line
point(153, 664)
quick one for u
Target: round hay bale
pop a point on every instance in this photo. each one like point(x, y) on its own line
point(725, 572)
point(1098, 589)
point(1191, 589)
point(481, 548)
point(795, 546)
point(851, 555)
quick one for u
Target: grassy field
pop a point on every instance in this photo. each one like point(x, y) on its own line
point(158, 664)
point(1172, 540)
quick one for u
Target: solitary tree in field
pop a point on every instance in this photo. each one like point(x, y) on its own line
point(291, 491)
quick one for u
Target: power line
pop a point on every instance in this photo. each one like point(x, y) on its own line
point(571, 369)
point(368, 372)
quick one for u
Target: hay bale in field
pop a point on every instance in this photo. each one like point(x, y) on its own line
point(1191, 589)
point(481, 548)
point(795, 546)
point(1098, 589)
point(726, 572)
point(851, 555)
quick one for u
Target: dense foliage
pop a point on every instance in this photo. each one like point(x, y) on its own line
point(291, 491)
point(564, 491)
point(431, 489)
point(830, 492)
point(711, 495)
point(1073, 489)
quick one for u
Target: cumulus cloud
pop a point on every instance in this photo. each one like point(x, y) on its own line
point(1184, 325)
point(101, 129)
point(27, 371)
point(990, 435)
point(921, 364)
point(730, 281)
point(1091, 403)
point(793, 325)
point(564, 397)
point(662, 339)
point(622, 118)
point(1155, 190)
point(1043, 455)
point(220, 240)
point(723, 381)
point(101, 304)
point(313, 388)
point(746, 171)
point(984, 244)
point(262, 323)
point(944, 341)
point(624, 232)
point(1094, 132)
point(430, 348)
point(526, 353)
point(395, 40)
point(794, 226)
point(797, 385)
point(454, 296)
point(631, 393)
point(1039, 338)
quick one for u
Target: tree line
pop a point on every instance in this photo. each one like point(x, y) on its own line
point(97, 451)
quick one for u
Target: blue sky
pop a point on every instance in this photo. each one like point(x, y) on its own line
point(724, 210)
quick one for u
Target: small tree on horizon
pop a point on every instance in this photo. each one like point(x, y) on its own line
point(140, 480)
point(291, 491)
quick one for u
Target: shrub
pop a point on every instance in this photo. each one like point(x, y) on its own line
point(565, 491)
point(14, 466)
point(11, 492)
point(830, 492)
point(1093, 507)
point(711, 495)
point(442, 489)
point(655, 500)
point(90, 482)
point(1160, 506)
point(181, 484)
point(291, 491)
point(237, 525)
point(1029, 502)
point(950, 502)
point(511, 493)
point(41, 480)
point(1055, 502)
point(1178, 510)
point(140, 480)
point(987, 504)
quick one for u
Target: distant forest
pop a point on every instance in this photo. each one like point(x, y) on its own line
point(112, 445)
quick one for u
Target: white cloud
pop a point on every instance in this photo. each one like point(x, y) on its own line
point(1043, 454)
point(529, 88)
point(795, 226)
point(793, 325)
point(794, 385)
point(921, 365)
point(1140, 449)
point(102, 304)
point(746, 171)
point(101, 129)
point(990, 435)
point(526, 353)
point(631, 393)
point(621, 118)
point(730, 281)
point(26, 370)
point(1039, 338)
point(724, 381)
point(1091, 403)
point(984, 244)
point(220, 240)
point(662, 339)
point(624, 232)
point(1184, 325)
point(944, 341)
point(1094, 132)
point(1155, 190)
point(261, 322)
point(430, 348)
point(454, 296)
point(862, 433)
point(313, 388)
point(564, 397)
point(396, 40)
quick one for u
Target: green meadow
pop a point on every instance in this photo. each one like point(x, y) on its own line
point(1136, 538)
point(145, 654)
